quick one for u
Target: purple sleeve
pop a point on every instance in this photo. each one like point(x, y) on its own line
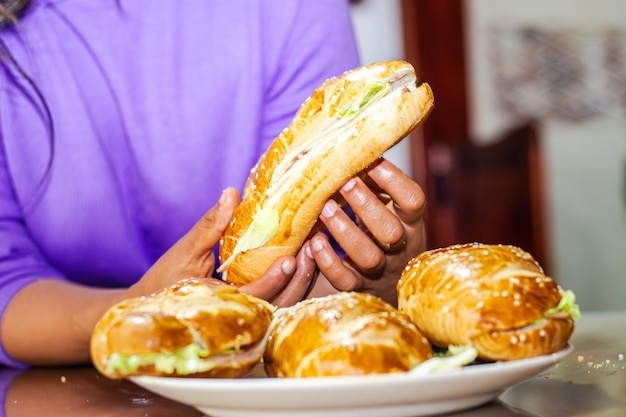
point(21, 263)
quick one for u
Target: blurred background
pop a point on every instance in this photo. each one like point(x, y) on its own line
point(527, 142)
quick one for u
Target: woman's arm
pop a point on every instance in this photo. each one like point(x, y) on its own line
point(50, 321)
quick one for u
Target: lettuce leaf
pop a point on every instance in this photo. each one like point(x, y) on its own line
point(373, 92)
point(567, 304)
point(455, 357)
point(264, 226)
point(184, 361)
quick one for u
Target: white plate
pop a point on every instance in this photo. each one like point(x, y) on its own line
point(390, 395)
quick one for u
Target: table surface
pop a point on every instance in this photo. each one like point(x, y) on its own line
point(590, 382)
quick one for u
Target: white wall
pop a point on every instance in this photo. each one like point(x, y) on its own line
point(378, 29)
point(587, 215)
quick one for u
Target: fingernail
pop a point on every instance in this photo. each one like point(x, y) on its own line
point(288, 266)
point(329, 208)
point(349, 185)
point(307, 250)
point(222, 199)
point(317, 245)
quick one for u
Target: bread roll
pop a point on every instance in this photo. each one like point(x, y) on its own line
point(343, 334)
point(344, 126)
point(494, 297)
point(192, 328)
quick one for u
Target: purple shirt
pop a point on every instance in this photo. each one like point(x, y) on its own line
point(156, 108)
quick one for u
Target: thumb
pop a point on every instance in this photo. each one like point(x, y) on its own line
point(192, 255)
point(207, 232)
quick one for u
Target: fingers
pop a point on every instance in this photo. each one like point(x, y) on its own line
point(409, 204)
point(338, 274)
point(408, 197)
point(382, 227)
point(301, 281)
point(358, 245)
point(395, 220)
point(207, 231)
point(388, 231)
point(273, 282)
point(374, 216)
point(286, 282)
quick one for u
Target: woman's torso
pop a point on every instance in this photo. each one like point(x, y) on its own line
point(156, 107)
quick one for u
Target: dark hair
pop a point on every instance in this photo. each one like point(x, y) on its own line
point(10, 10)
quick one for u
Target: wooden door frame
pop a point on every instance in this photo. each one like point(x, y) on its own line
point(434, 42)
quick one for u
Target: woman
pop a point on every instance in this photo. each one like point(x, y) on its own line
point(122, 122)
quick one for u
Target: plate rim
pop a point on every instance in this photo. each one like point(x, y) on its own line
point(276, 397)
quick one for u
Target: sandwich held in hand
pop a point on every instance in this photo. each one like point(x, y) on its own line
point(343, 334)
point(345, 125)
point(192, 328)
point(495, 298)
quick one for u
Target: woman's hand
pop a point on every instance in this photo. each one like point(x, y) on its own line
point(388, 232)
point(285, 283)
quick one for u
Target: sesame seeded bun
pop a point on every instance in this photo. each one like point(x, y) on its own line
point(493, 297)
point(194, 328)
point(343, 334)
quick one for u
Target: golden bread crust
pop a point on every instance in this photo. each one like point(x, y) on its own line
point(343, 334)
point(216, 316)
point(297, 178)
point(493, 297)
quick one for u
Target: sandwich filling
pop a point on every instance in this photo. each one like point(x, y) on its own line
point(455, 357)
point(190, 359)
point(566, 305)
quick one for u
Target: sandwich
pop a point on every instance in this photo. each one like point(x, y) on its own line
point(347, 333)
point(192, 328)
point(346, 124)
point(495, 298)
